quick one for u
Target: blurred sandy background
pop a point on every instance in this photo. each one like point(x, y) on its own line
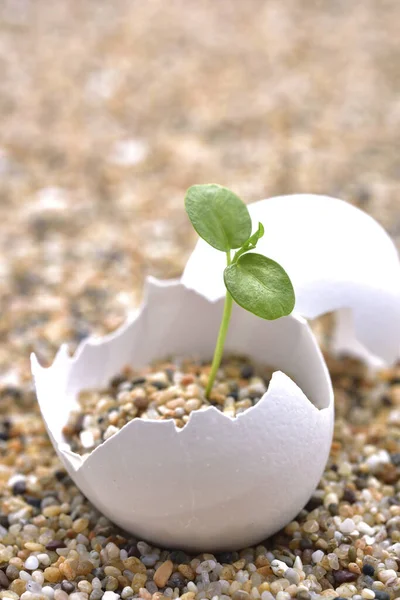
point(110, 110)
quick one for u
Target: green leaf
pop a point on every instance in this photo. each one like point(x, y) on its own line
point(253, 239)
point(218, 215)
point(261, 286)
point(251, 243)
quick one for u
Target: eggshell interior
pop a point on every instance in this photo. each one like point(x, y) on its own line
point(339, 259)
point(218, 483)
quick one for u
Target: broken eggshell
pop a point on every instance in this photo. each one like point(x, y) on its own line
point(220, 482)
point(338, 258)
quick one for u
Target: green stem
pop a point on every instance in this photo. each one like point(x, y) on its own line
point(223, 330)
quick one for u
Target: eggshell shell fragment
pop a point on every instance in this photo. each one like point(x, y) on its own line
point(218, 483)
point(337, 257)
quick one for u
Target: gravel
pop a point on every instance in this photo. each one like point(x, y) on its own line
point(163, 391)
point(62, 548)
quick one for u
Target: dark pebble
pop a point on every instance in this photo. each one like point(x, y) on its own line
point(247, 371)
point(11, 391)
point(4, 521)
point(313, 503)
point(60, 474)
point(178, 557)
point(133, 551)
point(368, 569)
point(381, 595)
point(19, 488)
point(4, 436)
point(343, 576)
point(4, 582)
point(349, 495)
point(333, 509)
point(234, 394)
point(368, 581)
point(12, 572)
point(303, 595)
point(98, 572)
point(170, 374)
point(117, 381)
point(361, 483)
point(159, 385)
point(151, 587)
point(395, 458)
point(54, 544)
point(392, 501)
point(176, 580)
point(68, 587)
point(386, 400)
point(306, 544)
point(33, 501)
point(138, 380)
point(224, 557)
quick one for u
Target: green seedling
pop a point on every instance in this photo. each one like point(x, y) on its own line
point(253, 281)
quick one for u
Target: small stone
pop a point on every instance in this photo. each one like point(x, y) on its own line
point(60, 595)
point(178, 557)
point(381, 595)
point(186, 571)
point(12, 573)
point(311, 526)
point(55, 544)
point(127, 592)
point(279, 567)
point(176, 581)
point(80, 525)
point(68, 569)
point(347, 526)
point(18, 586)
point(386, 575)
point(240, 595)
point(52, 575)
point(111, 583)
point(247, 371)
point(368, 569)
point(368, 594)
point(31, 563)
point(4, 582)
point(343, 576)
point(317, 556)
point(110, 431)
point(292, 576)
point(163, 573)
point(68, 587)
point(85, 586)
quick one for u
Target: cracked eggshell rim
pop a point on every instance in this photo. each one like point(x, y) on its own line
point(219, 483)
point(338, 258)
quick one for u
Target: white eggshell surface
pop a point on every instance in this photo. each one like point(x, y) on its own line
point(218, 483)
point(338, 258)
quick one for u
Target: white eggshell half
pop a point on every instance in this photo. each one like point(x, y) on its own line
point(218, 483)
point(339, 259)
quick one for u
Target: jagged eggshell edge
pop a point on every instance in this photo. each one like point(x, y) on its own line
point(219, 483)
point(339, 259)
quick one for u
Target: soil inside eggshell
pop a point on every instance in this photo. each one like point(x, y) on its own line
point(164, 390)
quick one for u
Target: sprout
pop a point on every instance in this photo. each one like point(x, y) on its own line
point(255, 282)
